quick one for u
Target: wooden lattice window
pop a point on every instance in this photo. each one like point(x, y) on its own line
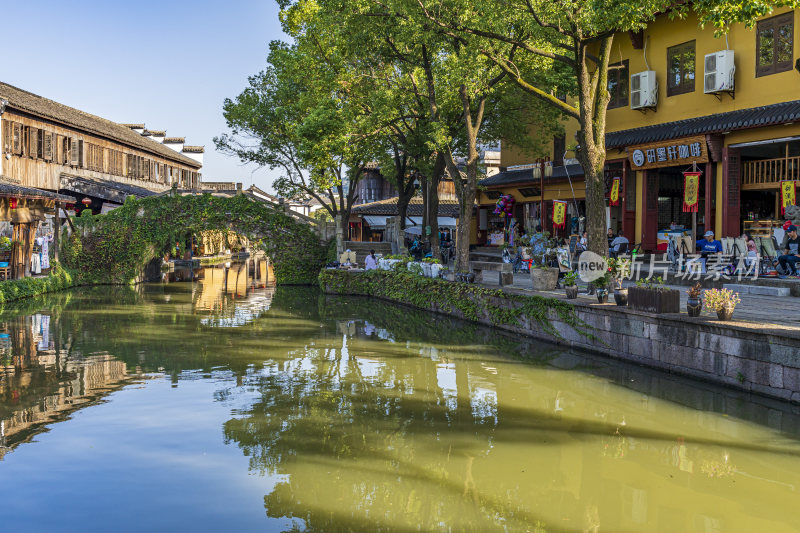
point(48, 146)
point(680, 68)
point(774, 44)
point(16, 143)
point(618, 84)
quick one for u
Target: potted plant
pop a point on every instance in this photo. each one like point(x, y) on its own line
point(601, 288)
point(694, 303)
point(619, 269)
point(5, 249)
point(570, 285)
point(723, 301)
point(651, 296)
point(544, 278)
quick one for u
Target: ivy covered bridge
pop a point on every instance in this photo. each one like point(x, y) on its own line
point(116, 247)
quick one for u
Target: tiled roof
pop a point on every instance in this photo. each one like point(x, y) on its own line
point(155, 133)
point(754, 117)
point(194, 149)
point(514, 177)
point(134, 126)
point(388, 207)
point(44, 108)
point(174, 140)
point(108, 190)
point(10, 188)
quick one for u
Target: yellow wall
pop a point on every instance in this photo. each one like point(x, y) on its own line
point(750, 91)
point(511, 155)
point(559, 190)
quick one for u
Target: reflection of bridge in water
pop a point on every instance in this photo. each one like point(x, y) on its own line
point(231, 294)
point(42, 383)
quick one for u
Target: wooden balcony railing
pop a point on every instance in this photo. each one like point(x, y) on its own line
point(767, 173)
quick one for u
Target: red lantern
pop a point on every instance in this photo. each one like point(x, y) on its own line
point(12, 203)
point(86, 202)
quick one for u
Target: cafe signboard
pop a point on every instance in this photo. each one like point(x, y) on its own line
point(676, 152)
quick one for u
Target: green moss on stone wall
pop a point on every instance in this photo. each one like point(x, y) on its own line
point(116, 247)
point(471, 302)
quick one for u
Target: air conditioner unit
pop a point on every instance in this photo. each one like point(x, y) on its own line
point(644, 90)
point(718, 75)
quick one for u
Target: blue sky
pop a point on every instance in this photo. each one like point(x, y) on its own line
point(169, 64)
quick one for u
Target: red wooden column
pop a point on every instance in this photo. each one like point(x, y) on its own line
point(731, 193)
point(650, 210)
point(709, 199)
point(628, 209)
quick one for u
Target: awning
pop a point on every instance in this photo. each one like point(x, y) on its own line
point(110, 191)
point(375, 222)
point(444, 222)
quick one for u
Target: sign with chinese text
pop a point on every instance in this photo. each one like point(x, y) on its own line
point(788, 195)
point(613, 198)
point(559, 214)
point(669, 153)
point(691, 191)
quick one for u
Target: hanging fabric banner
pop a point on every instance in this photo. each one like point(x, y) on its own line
point(691, 191)
point(559, 214)
point(788, 194)
point(613, 199)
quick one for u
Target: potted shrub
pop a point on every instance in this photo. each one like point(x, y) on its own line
point(694, 302)
point(619, 269)
point(431, 267)
point(601, 288)
point(5, 249)
point(570, 285)
point(544, 278)
point(651, 296)
point(723, 301)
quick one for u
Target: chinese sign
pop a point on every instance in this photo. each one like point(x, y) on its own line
point(691, 191)
point(788, 194)
point(559, 214)
point(613, 198)
point(669, 153)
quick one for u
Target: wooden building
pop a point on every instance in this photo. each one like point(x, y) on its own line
point(50, 146)
point(54, 156)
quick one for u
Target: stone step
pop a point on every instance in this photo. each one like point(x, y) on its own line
point(759, 290)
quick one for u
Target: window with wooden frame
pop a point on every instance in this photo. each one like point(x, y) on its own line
point(618, 84)
point(74, 153)
point(33, 140)
point(680, 68)
point(6, 136)
point(559, 147)
point(16, 142)
point(48, 146)
point(39, 144)
point(774, 44)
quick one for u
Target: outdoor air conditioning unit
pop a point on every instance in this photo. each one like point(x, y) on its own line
point(719, 72)
point(644, 90)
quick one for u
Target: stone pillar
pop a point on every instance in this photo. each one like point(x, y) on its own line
point(339, 235)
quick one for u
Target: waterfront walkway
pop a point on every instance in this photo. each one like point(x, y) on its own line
point(779, 313)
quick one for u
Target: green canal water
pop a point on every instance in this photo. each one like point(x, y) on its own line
point(219, 405)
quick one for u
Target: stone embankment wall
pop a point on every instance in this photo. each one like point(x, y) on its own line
point(760, 358)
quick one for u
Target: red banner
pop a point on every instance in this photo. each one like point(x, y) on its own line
point(788, 194)
point(691, 191)
point(559, 214)
point(613, 198)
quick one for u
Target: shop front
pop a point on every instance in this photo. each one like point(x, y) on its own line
point(662, 169)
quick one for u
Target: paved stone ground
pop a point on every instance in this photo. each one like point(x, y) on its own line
point(775, 312)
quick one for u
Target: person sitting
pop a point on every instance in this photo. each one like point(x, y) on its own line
point(751, 252)
point(791, 247)
point(708, 246)
point(371, 262)
point(619, 245)
point(610, 235)
point(583, 244)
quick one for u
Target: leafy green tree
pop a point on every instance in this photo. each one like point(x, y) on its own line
point(572, 37)
point(296, 116)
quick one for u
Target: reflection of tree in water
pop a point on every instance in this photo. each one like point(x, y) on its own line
point(380, 452)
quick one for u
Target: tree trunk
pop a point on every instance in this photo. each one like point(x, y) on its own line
point(402, 207)
point(433, 205)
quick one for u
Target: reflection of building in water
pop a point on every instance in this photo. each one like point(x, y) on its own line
point(232, 295)
point(41, 384)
